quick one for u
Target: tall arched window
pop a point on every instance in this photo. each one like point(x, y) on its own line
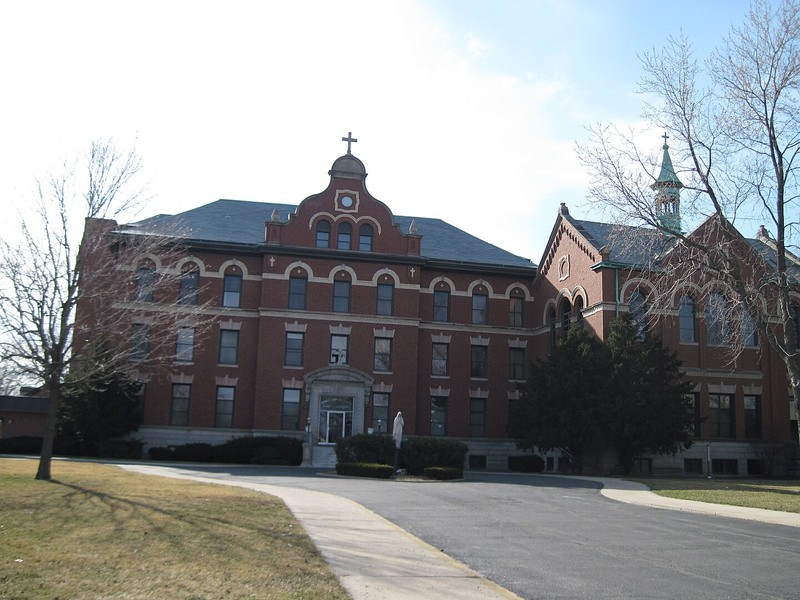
point(323, 239)
point(566, 315)
point(551, 322)
point(717, 319)
point(365, 238)
point(638, 312)
point(344, 236)
point(686, 320)
point(579, 311)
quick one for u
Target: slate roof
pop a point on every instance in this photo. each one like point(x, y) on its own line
point(242, 222)
point(629, 246)
point(641, 245)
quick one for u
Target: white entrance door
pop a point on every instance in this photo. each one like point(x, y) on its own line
point(335, 418)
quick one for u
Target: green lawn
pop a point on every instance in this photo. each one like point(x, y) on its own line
point(769, 494)
point(97, 531)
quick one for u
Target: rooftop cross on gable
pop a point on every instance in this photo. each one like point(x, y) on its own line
point(350, 140)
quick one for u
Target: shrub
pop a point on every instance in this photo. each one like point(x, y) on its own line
point(198, 452)
point(160, 453)
point(528, 463)
point(277, 451)
point(22, 444)
point(359, 469)
point(443, 473)
point(366, 448)
point(422, 452)
point(120, 449)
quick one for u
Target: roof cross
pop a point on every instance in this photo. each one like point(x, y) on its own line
point(665, 136)
point(349, 139)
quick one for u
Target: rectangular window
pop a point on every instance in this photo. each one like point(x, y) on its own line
point(293, 355)
point(694, 414)
point(223, 415)
point(140, 341)
point(339, 349)
point(693, 466)
point(724, 466)
point(383, 354)
point(184, 345)
point(438, 416)
point(228, 347)
point(145, 280)
point(341, 296)
point(290, 416)
point(439, 360)
point(477, 417)
point(190, 283)
point(441, 306)
point(720, 415)
point(515, 312)
point(232, 291)
point(385, 302)
point(380, 413)
point(179, 411)
point(297, 293)
point(479, 302)
point(516, 364)
point(479, 363)
point(752, 416)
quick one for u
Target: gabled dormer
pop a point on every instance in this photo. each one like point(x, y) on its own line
point(344, 218)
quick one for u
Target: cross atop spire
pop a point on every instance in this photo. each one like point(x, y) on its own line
point(349, 139)
point(665, 136)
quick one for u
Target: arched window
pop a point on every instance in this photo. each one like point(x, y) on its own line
point(323, 239)
point(516, 309)
point(717, 319)
point(344, 236)
point(686, 320)
point(638, 312)
point(145, 281)
point(566, 315)
point(365, 238)
point(579, 311)
point(551, 322)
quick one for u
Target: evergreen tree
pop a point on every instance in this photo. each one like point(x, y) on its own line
point(561, 405)
point(649, 412)
point(98, 404)
point(625, 395)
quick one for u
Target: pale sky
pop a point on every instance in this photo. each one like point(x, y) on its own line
point(464, 110)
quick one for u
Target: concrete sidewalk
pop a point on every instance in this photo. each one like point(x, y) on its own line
point(371, 557)
point(632, 492)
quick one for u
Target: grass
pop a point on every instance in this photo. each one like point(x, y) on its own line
point(97, 531)
point(781, 495)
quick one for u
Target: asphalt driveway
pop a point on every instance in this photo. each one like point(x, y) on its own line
point(558, 537)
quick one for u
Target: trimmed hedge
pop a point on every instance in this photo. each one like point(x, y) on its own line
point(419, 453)
point(262, 450)
point(359, 469)
point(22, 444)
point(443, 473)
point(528, 463)
point(376, 448)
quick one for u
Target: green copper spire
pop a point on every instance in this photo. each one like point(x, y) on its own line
point(668, 193)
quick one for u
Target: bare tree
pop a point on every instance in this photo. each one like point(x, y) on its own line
point(735, 127)
point(51, 269)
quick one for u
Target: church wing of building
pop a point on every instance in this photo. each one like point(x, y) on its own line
point(593, 272)
point(329, 317)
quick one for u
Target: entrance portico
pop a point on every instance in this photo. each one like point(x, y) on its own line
point(337, 397)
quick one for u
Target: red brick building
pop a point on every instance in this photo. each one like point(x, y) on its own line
point(332, 316)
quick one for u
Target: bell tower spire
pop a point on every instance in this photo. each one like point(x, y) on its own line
point(668, 193)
